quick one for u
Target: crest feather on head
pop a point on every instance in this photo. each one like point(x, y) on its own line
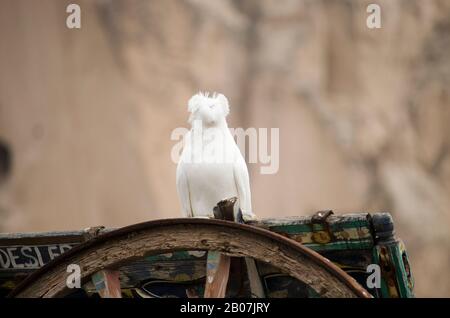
point(196, 101)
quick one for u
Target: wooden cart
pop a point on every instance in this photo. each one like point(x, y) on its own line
point(325, 255)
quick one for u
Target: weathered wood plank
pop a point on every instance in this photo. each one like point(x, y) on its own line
point(217, 274)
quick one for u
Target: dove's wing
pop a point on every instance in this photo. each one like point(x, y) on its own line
point(242, 181)
point(183, 191)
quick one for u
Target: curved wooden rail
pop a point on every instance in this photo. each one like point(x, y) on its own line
point(113, 249)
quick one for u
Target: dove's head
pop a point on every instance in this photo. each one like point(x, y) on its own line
point(210, 110)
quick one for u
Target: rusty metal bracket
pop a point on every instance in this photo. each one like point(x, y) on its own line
point(320, 218)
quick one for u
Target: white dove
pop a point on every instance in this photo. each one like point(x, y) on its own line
point(211, 166)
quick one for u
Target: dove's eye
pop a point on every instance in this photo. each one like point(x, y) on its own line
point(212, 106)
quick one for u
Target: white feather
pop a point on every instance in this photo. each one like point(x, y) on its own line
point(211, 166)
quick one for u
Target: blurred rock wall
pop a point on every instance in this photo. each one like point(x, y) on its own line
point(86, 115)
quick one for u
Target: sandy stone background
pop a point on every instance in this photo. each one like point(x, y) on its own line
point(86, 115)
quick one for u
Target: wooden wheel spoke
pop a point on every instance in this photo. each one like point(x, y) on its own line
point(217, 273)
point(107, 283)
